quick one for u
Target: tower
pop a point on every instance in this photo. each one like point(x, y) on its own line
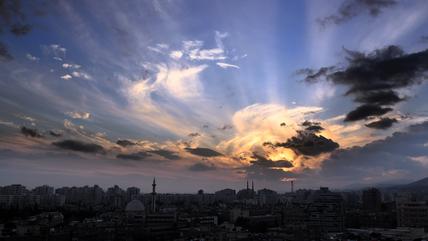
point(292, 185)
point(247, 185)
point(154, 195)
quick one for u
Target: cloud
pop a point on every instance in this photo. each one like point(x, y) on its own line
point(176, 54)
point(170, 155)
point(192, 44)
point(79, 115)
point(80, 74)
point(30, 132)
point(364, 111)
point(31, 57)
point(201, 151)
point(66, 77)
point(388, 97)
point(125, 143)
point(159, 48)
point(176, 80)
point(308, 143)
point(193, 49)
point(19, 29)
point(384, 160)
point(194, 134)
point(424, 39)
point(138, 156)
point(352, 8)
point(312, 126)
point(259, 160)
point(202, 167)
point(207, 54)
point(225, 127)
point(56, 50)
point(382, 123)
point(374, 78)
point(55, 133)
point(226, 65)
point(259, 172)
point(80, 146)
point(71, 66)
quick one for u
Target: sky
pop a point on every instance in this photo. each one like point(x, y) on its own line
point(210, 94)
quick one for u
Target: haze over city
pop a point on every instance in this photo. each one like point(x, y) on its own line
point(210, 94)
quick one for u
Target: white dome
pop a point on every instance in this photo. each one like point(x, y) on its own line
point(134, 206)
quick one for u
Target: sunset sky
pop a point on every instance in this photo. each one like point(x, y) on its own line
point(208, 94)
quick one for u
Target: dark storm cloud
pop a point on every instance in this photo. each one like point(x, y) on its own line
point(204, 152)
point(383, 123)
point(392, 157)
point(125, 143)
point(262, 168)
point(307, 143)
point(364, 111)
point(313, 127)
point(29, 132)
point(202, 167)
point(352, 8)
point(373, 79)
point(166, 154)
point(194, 134)
point(76, 145)
point(54, 133)
point(264, 162)
point(388, 97)
point(13, 19)
point(138, 156)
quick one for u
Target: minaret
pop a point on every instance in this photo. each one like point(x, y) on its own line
point(154, 195)
point(247, 185)
point(292, 186)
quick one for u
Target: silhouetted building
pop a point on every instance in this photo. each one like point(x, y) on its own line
point(413, 214)
point(267, 197)
point(372, 199)
point(132, 193)
point(326, 212)
point(225, 195)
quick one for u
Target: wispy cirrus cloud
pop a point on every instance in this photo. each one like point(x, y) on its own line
point(79, 115)
point(226, 65)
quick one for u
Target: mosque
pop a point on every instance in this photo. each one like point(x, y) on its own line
point(136, 212)
point(247, 194)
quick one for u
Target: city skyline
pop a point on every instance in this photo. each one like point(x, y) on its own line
point(209, 95)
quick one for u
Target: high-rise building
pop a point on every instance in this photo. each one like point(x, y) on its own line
point(225, 195)
point(132, 193)
point(413, 214)
point(44, 190)
point(326, 212)
point(372, 199)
